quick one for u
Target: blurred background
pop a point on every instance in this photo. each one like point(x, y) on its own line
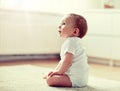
point(28, 28)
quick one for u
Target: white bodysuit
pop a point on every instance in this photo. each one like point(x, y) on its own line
point(78, 72)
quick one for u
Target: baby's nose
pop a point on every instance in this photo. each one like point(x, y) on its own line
point(59, 27)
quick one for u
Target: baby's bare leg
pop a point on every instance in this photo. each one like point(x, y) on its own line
point(59, 81)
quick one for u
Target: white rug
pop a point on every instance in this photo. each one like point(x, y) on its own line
point(30, 78)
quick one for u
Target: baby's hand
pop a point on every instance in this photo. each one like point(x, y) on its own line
point(45, 77)
point(49, 74)
point(54, 73)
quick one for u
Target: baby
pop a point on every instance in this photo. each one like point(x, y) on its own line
point(73, 69)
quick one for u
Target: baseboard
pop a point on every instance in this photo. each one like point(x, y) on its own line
point(28, 57)
point(103, 61)
point(96, 60)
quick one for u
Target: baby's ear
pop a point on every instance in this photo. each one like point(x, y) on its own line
point(76, 32)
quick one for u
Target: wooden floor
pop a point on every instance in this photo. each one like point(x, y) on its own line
point(98, 70)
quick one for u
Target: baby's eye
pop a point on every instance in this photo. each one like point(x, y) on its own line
point(63, 23)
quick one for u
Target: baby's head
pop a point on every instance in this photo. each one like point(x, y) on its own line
point(80, 23)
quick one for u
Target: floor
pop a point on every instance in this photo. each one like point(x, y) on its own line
point(98, 70)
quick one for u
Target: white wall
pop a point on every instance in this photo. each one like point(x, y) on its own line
point(35, 32)
point(24, 32)
point(29, 32)
point(56, 6)
point(103, 37)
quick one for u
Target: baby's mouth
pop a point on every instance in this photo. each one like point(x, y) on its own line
point(59, 31)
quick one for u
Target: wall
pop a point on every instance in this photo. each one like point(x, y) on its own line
point(29, 32)
point(103, 36)
point(55, 6)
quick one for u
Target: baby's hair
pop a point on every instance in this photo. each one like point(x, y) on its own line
point(80, 23)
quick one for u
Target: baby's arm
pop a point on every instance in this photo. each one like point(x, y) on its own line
point(56, 68)
point(65, 63)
